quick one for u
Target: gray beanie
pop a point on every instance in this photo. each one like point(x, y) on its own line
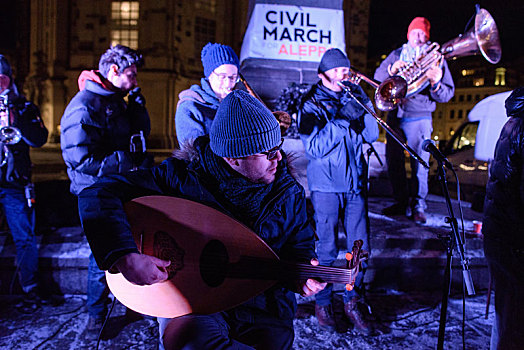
point(243, 126)
point(333, 58)
point(5, 67)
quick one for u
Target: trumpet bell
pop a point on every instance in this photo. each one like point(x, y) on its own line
point(390, 92)
point(10, 135)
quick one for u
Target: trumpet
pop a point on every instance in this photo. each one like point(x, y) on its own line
point(9, 135)
point(387, 94)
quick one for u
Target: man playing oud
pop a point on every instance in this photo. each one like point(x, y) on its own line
point(240, 169)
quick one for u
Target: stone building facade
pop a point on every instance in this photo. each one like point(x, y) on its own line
point(56, 40)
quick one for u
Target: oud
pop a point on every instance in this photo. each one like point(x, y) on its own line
point(216, 262)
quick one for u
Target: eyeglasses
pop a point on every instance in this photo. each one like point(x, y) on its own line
point(222, 77)
point(272, 153)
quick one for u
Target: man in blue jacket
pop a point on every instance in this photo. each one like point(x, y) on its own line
point(197, 105)
point(413, 119)
point(240, 170)
point(333, 127)
point(95, 138)
point(15, 180)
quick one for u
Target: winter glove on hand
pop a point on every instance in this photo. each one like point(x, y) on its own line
point(350, 111)
point(136, 97)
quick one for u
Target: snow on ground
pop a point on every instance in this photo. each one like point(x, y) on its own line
point(402, 321)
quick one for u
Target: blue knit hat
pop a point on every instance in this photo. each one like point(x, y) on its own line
point(5, 67)
point(243, 126)
point(333, 58)
point(215, 55)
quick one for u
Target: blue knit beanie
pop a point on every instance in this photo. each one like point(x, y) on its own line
point(215, 55)
point(333, 58)
point(243, 126)
point(5, 67)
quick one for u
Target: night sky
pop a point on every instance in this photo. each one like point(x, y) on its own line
point(390, 19)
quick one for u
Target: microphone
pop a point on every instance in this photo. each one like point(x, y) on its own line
point(429, 146)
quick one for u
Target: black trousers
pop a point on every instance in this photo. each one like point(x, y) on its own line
point(219, 331)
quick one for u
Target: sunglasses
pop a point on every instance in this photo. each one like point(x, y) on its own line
point(272, 153)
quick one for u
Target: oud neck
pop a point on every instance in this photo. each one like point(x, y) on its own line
point(255, 268)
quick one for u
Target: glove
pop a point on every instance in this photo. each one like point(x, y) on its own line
point(350, 111)
point(136, 97)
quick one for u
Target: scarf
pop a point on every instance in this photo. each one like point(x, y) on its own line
point(243, 198)
point(410, 54)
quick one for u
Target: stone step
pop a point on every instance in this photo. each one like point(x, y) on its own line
point(403, 261)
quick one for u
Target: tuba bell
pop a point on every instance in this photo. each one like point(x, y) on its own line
point(482, 38)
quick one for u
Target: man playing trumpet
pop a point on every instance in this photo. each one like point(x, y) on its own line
point(412, 119)
point(26, 129)
point(333, 126)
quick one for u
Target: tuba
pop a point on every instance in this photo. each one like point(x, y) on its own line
point(482, 38)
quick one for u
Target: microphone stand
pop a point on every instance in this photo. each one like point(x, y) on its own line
point(450, 241)
point(385, 126)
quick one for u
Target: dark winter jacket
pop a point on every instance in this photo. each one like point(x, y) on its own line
point(95, 132)
point(17, 171)
point(504, 203)
point(422, 104)
point(333, 143)
point(195, 112)
point(281, 220)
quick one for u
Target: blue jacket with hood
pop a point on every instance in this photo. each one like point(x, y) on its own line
point(333, 143)
point(195, 112)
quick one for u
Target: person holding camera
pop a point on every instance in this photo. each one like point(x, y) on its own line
point(96, 131)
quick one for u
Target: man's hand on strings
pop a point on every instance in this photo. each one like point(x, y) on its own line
point(311, 287)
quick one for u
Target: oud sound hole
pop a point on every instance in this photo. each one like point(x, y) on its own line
point(213, 263)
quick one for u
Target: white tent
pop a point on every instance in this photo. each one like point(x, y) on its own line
point(491, 113)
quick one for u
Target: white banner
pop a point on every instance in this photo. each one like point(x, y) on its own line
point(294, 33)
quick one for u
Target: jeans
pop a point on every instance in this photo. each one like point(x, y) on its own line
point(415, 132)
point(21, 221)
point(97, 290)
point(328, 208)
point(506, 266)
point(220, 331)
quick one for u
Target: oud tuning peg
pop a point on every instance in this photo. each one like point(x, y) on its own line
point(349, 287)
point(349, 256)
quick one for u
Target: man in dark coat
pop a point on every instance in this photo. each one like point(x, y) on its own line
point(239, 169)
point(95, 138)
point(16, 194)
point(503, 227)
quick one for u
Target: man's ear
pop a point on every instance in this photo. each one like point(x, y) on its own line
point(113, 70)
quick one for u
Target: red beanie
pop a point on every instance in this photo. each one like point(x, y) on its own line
point(419, 23)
